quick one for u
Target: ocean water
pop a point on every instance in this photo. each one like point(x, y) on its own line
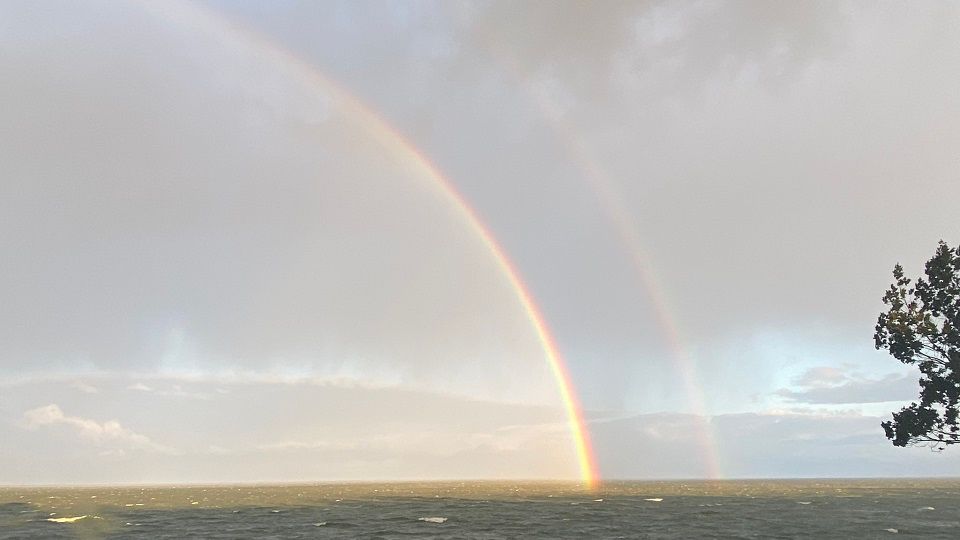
point(694, 509)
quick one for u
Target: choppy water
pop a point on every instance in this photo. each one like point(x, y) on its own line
point(726, 509)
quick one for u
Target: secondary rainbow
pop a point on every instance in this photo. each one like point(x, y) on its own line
point(230, 34)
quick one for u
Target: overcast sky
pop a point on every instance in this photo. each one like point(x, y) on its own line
point(213, 269)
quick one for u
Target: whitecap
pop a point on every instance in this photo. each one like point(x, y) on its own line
point(598, 500)
point(655, 499)
point(66, 519)
point(320, 524)
point(926, 508)
point(432, 519)
point(803, 502)
point(894, 531)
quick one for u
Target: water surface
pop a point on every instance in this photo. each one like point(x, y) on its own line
point(695, 509)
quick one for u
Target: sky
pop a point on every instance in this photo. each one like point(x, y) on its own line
point(225, 259)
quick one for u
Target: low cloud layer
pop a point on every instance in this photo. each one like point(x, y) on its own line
point(190, 430)
point(827, 385)
point(308, 431)
point(777, 444)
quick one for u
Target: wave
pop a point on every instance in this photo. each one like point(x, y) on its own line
point(66, 519)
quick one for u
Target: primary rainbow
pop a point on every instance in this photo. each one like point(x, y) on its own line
point(192, 16)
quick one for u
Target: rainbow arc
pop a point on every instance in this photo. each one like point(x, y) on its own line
point(194, 17)
point(610, 199)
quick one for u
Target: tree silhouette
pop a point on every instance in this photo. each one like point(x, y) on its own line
point(922, 328)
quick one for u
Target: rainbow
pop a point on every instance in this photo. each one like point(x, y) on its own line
point(627, 229)
point(610, 200)
point(193, 17)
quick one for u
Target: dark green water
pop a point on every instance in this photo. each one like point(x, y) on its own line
point(726, 509)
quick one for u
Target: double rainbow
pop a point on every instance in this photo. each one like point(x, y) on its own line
point(611, 199)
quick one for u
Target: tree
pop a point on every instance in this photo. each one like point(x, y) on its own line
point(922, 328)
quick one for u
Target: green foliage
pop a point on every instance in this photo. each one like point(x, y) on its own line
point(922, 328)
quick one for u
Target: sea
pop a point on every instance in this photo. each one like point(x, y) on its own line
point(866, 508)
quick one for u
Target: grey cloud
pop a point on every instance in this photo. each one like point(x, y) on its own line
point(815, 390)
point(182, 206)
point(762, 163)
point(821, 376)
point(770, 41)
point(673, 47)
point(772, 445)
point(573, 38)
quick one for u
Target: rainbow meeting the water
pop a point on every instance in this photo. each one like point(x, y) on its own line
point(607, 194)
point(231, 34)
